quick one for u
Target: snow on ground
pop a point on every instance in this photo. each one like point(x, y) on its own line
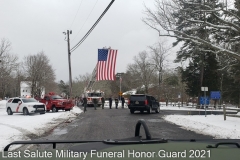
point(213, 125)
point(18, 127)
point(190, 108)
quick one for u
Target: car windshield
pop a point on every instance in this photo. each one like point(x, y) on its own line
point(98, 66)
point(56, 97)
point(28, 100)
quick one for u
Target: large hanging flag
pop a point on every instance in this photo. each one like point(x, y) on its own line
point(106, 64)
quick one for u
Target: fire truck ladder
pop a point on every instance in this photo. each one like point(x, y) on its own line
point(92, 80)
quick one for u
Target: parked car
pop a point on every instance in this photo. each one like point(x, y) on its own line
point(143, 102)
point(25, 106)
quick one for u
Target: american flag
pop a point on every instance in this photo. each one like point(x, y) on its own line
point(106, 64)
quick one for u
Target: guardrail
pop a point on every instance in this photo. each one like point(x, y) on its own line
point(236, 115)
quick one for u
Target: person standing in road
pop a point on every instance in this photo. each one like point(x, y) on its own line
point(123, 101)
point(110, 102)
point(116, 102)
point(85, 103)
point(103, 101)
point(95, 103)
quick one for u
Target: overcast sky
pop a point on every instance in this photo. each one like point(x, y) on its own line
point(33, 26)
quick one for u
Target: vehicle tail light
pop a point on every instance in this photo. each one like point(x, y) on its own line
point(146, 102)
point(129, 102)
point(89, 99)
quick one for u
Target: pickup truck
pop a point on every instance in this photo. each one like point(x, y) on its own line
point(55, 102)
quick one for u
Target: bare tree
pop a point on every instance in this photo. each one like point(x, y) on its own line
point(142, 69)
point(225, 25)
point(8, 65)
point(79, 83)
point(170, 86)
point(40, 73)
point(159, 52)
point(18, 76)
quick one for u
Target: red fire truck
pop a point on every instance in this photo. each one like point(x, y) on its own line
point(55, 102)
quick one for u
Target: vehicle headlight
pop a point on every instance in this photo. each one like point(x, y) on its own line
point(60, 103)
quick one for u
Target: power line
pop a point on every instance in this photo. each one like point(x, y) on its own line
point(95, 24)
point(76, 13)
point(86, 20)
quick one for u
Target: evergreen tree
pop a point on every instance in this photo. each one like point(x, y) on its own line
point(191, 75)
point(203, 66)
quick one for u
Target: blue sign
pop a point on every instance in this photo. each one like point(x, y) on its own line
point(202, 100)
point(215, 94)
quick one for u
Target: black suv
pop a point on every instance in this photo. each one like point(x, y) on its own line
point(143, 102)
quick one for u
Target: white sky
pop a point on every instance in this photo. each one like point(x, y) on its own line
point(38, 25)
point(16, 126)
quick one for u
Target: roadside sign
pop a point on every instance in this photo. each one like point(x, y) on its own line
point(202, 100)
point(204, 88)
point(120, 93)
point(215, 95)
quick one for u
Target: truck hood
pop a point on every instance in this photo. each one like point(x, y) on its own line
point(62, 100)
point(35, 103)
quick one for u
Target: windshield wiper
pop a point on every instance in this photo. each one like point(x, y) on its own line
point(53, 142)
point(110, 141)
point(224, 143)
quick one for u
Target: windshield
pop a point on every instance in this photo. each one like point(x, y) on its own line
point(137, 98)
point(99, 66)
point(56, 97)
point(94, 95)
point(28, 100)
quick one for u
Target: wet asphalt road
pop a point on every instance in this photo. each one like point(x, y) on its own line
point(114, 123)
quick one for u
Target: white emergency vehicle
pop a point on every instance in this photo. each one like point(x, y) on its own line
point(91, 94)
point(25, 106)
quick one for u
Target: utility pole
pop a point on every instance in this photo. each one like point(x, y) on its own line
point(69, 63)
point(120, 81)
point(221, 99)
point(119, 75)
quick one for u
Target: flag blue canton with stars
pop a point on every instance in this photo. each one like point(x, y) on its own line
point(102, 54)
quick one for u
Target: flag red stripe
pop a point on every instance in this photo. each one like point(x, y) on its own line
point(105, 69)
point(114, 60)
point(110, 65)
